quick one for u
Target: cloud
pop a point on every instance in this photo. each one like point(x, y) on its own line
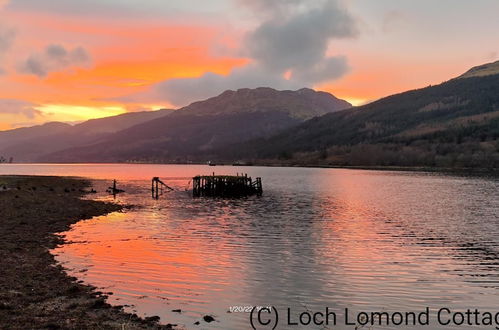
point(323, 70)
point(291, 40)
point(54, 58)
point(7, 36)
point(180, 91)
point(19, 107)
point(183, 90)
point(300, 42)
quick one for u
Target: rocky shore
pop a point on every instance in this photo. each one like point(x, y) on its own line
point(35, 292)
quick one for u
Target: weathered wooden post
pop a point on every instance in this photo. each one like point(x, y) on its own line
point(114, 189)
point(157, 187)
point(259, 188)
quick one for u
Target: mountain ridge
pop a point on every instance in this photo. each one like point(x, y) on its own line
point(28, 143)
point(453, 124)
point(232, 116)
point(482, 70)
point(316, 103)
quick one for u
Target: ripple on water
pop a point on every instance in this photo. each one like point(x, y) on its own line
point(366, 240)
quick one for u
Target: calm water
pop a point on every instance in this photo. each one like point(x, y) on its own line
point(363, 240)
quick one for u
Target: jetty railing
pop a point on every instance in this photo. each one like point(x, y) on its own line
point(157, 187)
point(207, 185)
point(226, 186)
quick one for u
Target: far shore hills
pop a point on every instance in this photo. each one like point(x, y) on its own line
point(453, 125)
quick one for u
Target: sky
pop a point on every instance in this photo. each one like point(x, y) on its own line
point(69, 60)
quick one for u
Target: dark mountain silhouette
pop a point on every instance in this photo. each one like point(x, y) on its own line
point(28, 144)
point(192, 132)
point(454, 124)
point(11, 137)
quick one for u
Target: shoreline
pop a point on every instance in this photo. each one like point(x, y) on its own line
point(35, 291)
point(428, 169)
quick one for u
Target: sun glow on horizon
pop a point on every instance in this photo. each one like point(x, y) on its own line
point(65, 112)
point(356, 102)
point(61, 64)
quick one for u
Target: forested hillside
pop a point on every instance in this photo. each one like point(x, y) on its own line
point(455, 124)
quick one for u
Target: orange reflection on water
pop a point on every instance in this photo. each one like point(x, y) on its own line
point(316, 238)
point(146, 263)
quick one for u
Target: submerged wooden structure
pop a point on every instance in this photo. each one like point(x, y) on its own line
point(157, 187)
point(229, 186)
point(114, 190)
point(226, 186)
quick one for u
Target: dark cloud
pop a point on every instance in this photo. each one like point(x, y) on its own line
point(299, 43)
point(292, 40)
point(323, 70)
point(54, 58)
point(56, 52)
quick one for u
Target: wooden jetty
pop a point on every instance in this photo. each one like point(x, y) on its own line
point(226, 186)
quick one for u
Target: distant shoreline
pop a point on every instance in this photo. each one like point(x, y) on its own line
point(35, 291)
point(454, 170)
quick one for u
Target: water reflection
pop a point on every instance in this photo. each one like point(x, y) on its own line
point(365, 240)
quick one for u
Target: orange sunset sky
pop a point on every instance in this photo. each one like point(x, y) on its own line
point(66, 60)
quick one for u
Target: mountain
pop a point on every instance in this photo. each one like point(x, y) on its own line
point(18, 135)
point(482, 70)
point(454, 124)
point(30, 143)
point(191, 133)
point(301, 104)
point(120, 122)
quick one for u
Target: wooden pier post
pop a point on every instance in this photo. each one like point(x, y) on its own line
point(157, 187)
point(114, 189)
